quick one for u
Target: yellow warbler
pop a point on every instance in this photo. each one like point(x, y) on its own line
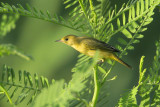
point(89, 46)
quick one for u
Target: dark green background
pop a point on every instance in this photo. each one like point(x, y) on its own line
point(55, 60)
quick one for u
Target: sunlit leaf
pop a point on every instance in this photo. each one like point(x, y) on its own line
point(127, 33)
point(130, 47)
point(139, 36)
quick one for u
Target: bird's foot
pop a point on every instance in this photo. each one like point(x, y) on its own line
point(100, 62)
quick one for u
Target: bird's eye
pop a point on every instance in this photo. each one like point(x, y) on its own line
point(66, 39)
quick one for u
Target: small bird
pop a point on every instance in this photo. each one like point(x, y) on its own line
point(89, 46)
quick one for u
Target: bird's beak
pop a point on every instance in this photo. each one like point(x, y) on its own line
point(58, 41)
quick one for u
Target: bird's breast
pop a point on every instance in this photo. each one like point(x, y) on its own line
point(80, 48)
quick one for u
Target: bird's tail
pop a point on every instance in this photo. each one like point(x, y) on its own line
point(114, 57)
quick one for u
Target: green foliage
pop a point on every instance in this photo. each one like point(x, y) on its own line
point(33, 12)
point(129, 99)
point(148, 87)
point(95, 19)
point(54, 96)
point(6, 25)
point(130, 20)
point(64, 94)
point(139, 15)
point(151, 85)
point(21, 81)
point(9, 49)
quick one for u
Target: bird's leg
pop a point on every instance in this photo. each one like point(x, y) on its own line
point(100, 61)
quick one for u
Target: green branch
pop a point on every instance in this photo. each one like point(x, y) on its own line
point(18, 85)
point(89, 17)
point(3, 90)
point(96, 88)
point(94, 17)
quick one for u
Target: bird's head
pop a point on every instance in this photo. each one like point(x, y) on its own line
point(69, 40)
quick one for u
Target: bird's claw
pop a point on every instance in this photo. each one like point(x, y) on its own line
point(100, 62)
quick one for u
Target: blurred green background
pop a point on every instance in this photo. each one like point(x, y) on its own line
point(55, 60)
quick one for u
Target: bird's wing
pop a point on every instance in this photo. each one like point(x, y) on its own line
point(94, 44)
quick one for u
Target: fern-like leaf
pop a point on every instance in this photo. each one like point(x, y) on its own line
point(33, 12)
point(22, 83)
point(148, 87)
point(129, 98)
point(9, 49)
point(7, 24)
point(138, 18)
